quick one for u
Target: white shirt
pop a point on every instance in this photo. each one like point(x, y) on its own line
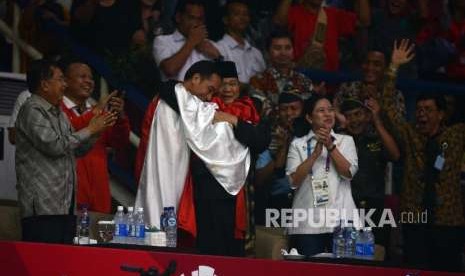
point(22, 97)
point(340, 195)
point(74, 107)
point(166, 46)
point(249, 60)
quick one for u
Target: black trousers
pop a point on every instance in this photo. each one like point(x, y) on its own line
point(433, 247)
point(215, 227)
point(49, 229)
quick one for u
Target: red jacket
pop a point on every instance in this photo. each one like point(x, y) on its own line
point(144, 138)
point(92, 173)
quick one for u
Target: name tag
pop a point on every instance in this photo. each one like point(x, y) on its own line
point(439, 163)
point(320, 191)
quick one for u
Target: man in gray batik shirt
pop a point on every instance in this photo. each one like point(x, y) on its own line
point(45, 164)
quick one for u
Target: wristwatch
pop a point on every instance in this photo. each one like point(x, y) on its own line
point(330, 149)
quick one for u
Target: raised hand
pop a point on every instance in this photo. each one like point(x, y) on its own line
point(323, 135)
point(402, 53)
point(317, 151)
point(101, 122)
point(373, 106)
point(103, 103)
point(197, 34)
point(320, 89)
point(116, 104)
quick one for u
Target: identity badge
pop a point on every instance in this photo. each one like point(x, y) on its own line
point(320, 191)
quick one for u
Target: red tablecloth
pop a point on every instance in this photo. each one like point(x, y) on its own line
point(19, 258)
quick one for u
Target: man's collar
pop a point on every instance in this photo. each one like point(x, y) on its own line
point(232, 43)
point(70, 104)
point(41, 101)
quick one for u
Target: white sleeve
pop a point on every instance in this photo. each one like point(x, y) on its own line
point(162, 49)
point(349, 151)
point(293, 158)
point(22, 97)
point(293, 161)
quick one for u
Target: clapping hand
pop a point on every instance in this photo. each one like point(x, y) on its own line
point(323, 135)
point(373, 106)
point(100, 122)
point(197, 34)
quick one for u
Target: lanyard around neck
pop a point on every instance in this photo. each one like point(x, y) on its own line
point(309, 153)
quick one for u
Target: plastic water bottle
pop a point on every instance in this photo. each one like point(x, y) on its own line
point(338, 241)
point(120, 226)
point(171, 228)
point(360, 245)
point(350, 236)
point(140, 226)
point(83, 226)
point(130, 225)
point(369, 250)
point(163, 218)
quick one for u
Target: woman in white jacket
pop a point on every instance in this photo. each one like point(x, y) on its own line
point(320, 166)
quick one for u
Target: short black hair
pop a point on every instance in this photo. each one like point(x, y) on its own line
point(182, 4)
point(438, 99)
point(276, 33)
point(66, 62)
point(230, 2)
point(204, 68)
point(38, 71)
point(310, 103)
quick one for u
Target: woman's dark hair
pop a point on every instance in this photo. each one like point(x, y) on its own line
point(309, 104)
point(300, 125)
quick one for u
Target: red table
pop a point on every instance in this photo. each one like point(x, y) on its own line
point(20, 258)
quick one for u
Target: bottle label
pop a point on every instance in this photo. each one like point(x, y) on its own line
point(171, 222)
point(131, 231)
point(120, 230)
point(140, 231)
point(359, 249)
point(369, 249)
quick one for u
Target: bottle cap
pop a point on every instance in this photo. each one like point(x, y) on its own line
point(130, 209)
point(120, 208)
